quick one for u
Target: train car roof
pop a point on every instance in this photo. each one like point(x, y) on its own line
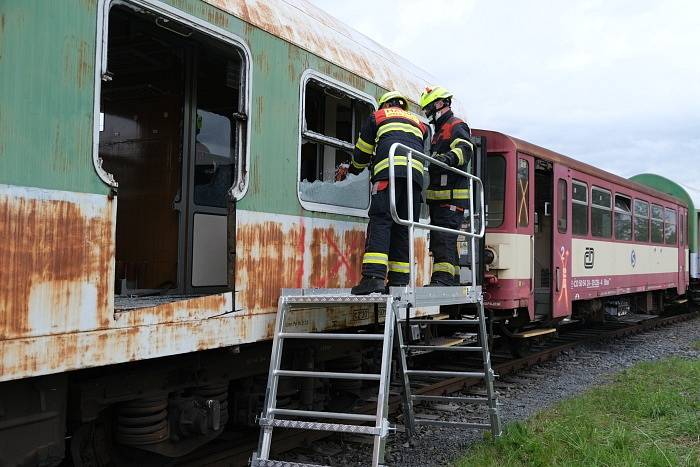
point(307, 26)
point(543, 153)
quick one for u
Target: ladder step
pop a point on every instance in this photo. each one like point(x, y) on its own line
point(331, 336)
point(450, 399)
point(421, 421)
point(329, 375)
point(441, 321)
point(456, 374)
point(451, 349)
point(254, 462)
point(319, 426)
point(314, 414)
point(340, 299)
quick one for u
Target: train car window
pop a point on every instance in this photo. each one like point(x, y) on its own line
point(496, 189)
point(641, 221)
point(562, 223)
point(623, 218)
point(681, 223)
point(601, 213)
point(332, 115)
point(657, 224)
point(579, 208)
point(670, 232)
point(523, 193)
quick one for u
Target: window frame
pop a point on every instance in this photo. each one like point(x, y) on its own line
point(675, 217)
point(504, 186)
point(634, 220)
point(242, 180)
point(308, 75)
point(631, 216)
point(522, 196)
point(609, 209)
point(651, 223)
point(563, 189)
point(587, 204)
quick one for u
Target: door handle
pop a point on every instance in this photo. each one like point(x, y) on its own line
point(558, 279)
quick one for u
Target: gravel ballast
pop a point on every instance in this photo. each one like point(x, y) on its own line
point(521, 395)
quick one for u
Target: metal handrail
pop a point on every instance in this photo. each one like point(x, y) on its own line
point(412, 225)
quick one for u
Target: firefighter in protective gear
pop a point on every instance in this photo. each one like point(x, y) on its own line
point(448, 193)
point(386, 245)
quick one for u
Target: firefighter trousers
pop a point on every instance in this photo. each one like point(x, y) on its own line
point(443, 245)
point(386, 246)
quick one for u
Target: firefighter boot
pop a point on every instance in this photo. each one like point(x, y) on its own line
point(368, 285)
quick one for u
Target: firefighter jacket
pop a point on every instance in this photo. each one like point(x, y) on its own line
point(451, 139)
point(384, 128)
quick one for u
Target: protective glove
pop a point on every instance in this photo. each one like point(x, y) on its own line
point(342, 171)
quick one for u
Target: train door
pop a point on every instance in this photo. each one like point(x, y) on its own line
point(561, 242)
point(542, 258)
point(524, 221)
point(171, 134)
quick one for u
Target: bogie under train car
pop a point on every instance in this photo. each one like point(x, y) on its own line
point(566, 240)
point(163, 170)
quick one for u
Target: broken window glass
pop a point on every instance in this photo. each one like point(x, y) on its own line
point(332, 122)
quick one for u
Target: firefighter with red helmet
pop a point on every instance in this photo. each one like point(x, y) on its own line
point(386, 245)
point(448, 193)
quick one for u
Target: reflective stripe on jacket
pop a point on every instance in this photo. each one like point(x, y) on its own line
point(382, 129)
point(451, 139)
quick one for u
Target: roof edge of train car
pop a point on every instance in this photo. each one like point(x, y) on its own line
point(309, 27)
point(534, 150)
point(668, 186)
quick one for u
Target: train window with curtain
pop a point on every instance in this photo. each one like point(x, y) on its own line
point(562, 223)
point(641, 220)
point(670, 232)
point(522, 197)
point(623, 217)
point(601, 213)
point(657, 224)
point(332, 115)
point(496, 189)
point(579, 208)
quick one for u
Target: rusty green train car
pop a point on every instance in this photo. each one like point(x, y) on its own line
point(165, 169)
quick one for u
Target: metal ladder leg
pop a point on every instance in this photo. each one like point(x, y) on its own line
point(488, 380)
point(407, 401)
point(382, 423)
point(272, 382)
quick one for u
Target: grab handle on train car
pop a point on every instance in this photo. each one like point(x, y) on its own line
point(558, 279)
point(532, 264)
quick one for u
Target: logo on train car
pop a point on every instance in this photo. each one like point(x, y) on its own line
point(633, 258)
point(589, 258)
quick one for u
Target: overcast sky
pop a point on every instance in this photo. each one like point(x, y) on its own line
point(613, 83)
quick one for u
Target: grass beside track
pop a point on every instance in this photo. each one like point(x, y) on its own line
point(648, 416)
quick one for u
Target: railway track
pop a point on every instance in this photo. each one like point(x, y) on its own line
point(222, 454)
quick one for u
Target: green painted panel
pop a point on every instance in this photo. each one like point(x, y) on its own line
point(47, 55)
point(672, 188)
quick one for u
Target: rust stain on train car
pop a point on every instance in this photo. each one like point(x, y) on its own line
point(77, 65)
point(55, 266)
point(189, 309)
point(2, 33)
point(268, 261)
point(421, 251)
point(322, 34)
point(274, 255)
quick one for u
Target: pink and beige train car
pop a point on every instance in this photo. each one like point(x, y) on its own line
point(565, 238)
